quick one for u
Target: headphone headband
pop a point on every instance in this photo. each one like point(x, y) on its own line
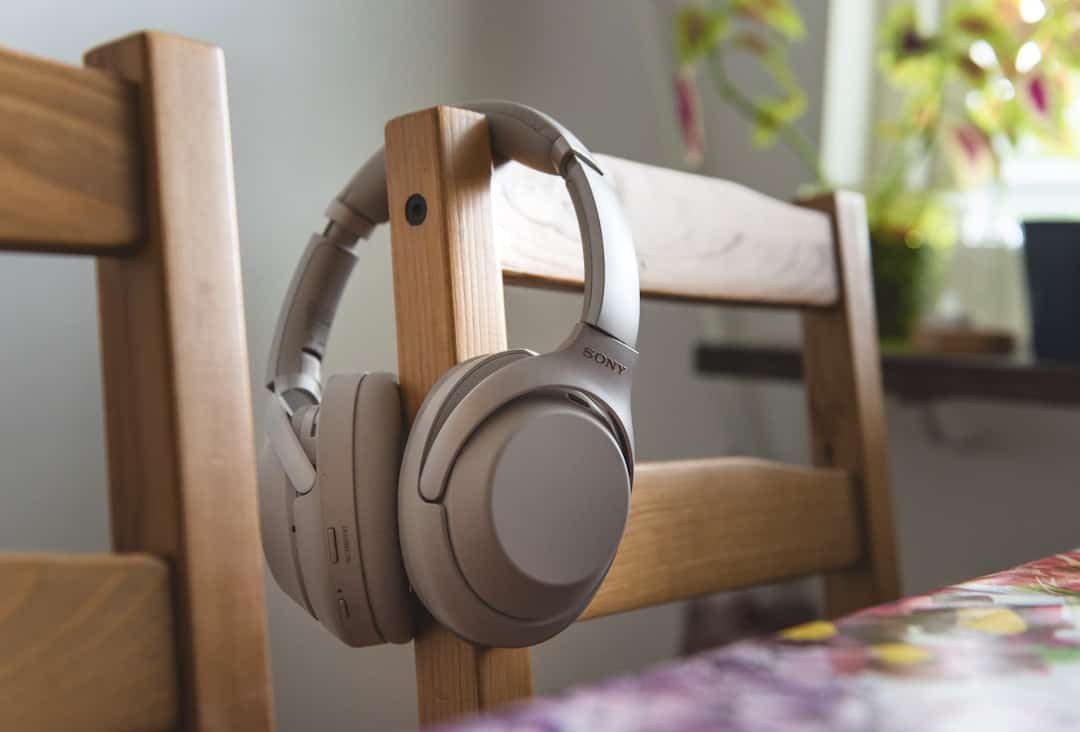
point(518, 133)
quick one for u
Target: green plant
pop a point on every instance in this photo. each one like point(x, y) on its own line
point(995, 72)
point(995, 75)
point(759, 30)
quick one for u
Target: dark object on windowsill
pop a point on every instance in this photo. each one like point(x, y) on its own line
point(1052, 259)
point(952, 340)
point(915, 377)
point(900, 283)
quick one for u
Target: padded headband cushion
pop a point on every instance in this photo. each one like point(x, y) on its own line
point(517, 132)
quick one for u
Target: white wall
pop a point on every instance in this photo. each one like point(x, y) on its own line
point(311, 85)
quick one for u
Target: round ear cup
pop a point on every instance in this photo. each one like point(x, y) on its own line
point(365, 599)
point(536, 505)
point(530, 519)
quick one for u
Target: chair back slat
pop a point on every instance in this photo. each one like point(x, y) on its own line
point(86, 643)
point(69, 159)
point(703, 526)
point(697, 238)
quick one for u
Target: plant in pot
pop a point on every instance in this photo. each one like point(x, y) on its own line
point(994, 78)
point(966, 94)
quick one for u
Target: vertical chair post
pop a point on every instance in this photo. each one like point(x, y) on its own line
point(177, 395)
point(842, 369)
point(449, 307)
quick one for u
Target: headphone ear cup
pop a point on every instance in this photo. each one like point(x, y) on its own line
point(536, 505)
point(358, 445)
point(276, 496)
point(529, 518)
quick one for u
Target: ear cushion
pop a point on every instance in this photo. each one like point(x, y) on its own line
point(366, 598)
point(378, 440)
point(276, 496)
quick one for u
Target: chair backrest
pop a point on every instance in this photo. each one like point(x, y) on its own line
point(131, 162)
point(696, 527)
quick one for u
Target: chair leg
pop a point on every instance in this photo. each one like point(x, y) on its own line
point(847, 421)
point(177, 396)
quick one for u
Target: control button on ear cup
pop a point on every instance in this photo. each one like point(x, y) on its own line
point(536, 505)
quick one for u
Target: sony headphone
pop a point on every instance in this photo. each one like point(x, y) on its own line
point(506, 507)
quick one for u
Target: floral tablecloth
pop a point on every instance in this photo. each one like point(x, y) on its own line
point(998, 653)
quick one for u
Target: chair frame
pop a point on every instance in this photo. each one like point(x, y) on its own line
point(130, 161)
point(834, 519)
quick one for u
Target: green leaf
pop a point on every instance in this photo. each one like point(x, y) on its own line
point(908, 59)
point(752, 43)
point(919, 216)
point(697, 32)
point(979, 20)
point(779, 15)
point(773, 114)
point(775, 62)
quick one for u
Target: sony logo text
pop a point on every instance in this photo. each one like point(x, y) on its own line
point(604, 360)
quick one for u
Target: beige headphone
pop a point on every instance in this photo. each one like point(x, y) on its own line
point(506, 508)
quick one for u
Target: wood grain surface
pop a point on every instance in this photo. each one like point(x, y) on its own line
point(86, 643)
point(697, 238)
point(449, 307)
point(842, 367)
point(70, 159)
point(177, 393)
point(703, 526)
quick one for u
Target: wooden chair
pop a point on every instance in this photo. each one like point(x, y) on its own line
point(696, 527)
point(130, 162)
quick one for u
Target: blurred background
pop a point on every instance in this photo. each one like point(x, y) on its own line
point(954, 118)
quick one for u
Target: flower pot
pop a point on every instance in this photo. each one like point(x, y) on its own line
point(904, 278)
point(1052, 260)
